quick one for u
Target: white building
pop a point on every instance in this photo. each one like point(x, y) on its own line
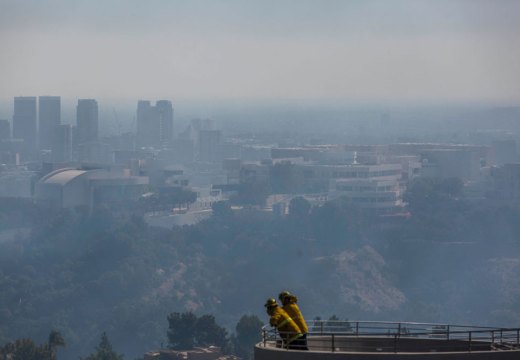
point(370, 186)
point(69, 188)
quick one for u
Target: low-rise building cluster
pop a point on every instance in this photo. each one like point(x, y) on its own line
point(68, 164)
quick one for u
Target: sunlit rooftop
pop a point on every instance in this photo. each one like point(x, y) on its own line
point(62, 176)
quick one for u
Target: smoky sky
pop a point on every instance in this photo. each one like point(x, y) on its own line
point(351, 50)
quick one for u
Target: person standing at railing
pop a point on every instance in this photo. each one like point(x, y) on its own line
point(289, 304)
point(286, 327)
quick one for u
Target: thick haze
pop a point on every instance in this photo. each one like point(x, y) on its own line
point(344, 50)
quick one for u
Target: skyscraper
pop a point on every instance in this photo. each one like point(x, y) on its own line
point(165, 110)
point(49, 116)
point(148, 125)
point(5, 129)
point(154, 123)
point(62, 143)
point(209, 145)
point(24, 121)
point(86, 121)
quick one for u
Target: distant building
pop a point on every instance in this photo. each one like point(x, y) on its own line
point(232, 169)
point(369, 154)
point(446, 163)
point(445, 160)
point(183, 150)
point(17, 182)
point(10, 150)
point(317, 178)
point(255, 152)
point(369, 186)
point(87, 122)
point(165, 110)
point(506, 180)
point(209, 145)
point(411, 165)
point(148, 127)
point(24, 122)
point(5, 129)
point(154, 123)
point(255, 173)
point(61, 144)
point(378, 187)
point(95, 152)
point(69, 188)
point(324, 154)
point(504, 151)
point(419, 148)
point(384, 195)
point(49, 116)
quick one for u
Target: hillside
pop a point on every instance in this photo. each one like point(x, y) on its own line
point(83, 275)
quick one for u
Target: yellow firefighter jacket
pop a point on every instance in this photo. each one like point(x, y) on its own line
point(294, 312)
point(286, 326)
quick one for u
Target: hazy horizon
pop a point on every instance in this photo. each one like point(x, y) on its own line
point(119, 115)
point(358, 51)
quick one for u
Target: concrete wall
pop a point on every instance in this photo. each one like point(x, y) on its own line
point(262, 353)
point(385, 349)
point(389, 344)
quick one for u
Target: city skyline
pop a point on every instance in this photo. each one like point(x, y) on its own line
point(416, 51)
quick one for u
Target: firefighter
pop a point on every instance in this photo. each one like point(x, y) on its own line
point(289, 303)
point(287, 328)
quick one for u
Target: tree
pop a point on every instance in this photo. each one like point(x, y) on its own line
point(427, 194)
point(181, 330)
point(253, 189)
point(208, 333)
point(186, 330)
point(338, 222)
point(221, 209)
point(25, 349)
point(438, 211)
point(168, 198)
point(247, 335)
point(299, 208)
point(104, 351)
point(55, 340)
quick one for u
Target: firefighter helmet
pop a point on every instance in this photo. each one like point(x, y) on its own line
point(283, 295)
point(270, 303)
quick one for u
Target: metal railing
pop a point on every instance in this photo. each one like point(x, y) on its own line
point(381, 336)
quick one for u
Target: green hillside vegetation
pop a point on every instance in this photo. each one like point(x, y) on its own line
point(451, 260)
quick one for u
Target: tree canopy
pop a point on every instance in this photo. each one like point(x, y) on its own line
point(247, 335)
point(186, 330)
point(104, 351)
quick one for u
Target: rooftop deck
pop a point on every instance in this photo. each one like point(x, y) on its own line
point(369, 340)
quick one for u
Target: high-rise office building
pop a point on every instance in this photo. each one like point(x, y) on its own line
point(86, 121)
point(5, 129)
point(165, 110)
point(24, 121)
point(148, 125)
point(154, 123)
point(196, 125)
point(209, 145)
point(49, 116)
point(62, 143)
